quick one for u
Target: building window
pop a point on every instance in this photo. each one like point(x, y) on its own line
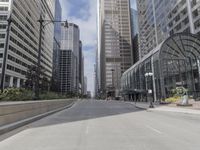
point(1, 45)
point(195, 13)
point(4, 0)
point(2, 36)
point(2, 26)
point(3, 17)
point(3, 8)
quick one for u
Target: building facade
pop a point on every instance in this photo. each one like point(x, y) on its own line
point(24, 38)
point(134, 34)
point(67, 73)
point(85, 85)
point(81, 68)
point(169, 47)
point(82, 75)
point(174, 63)
point(114, 44)
point(56, 47)
point(158, 19)
point(70, 40)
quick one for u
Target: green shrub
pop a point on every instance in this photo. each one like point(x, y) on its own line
point(51, 95)
point(16, 94)
point(173, 99)
point(20, 94)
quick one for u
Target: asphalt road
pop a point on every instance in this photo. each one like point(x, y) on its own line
point(108, 125)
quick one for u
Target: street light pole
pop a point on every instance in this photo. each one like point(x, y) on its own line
point(148, 92)
point(41, 21)
point(37, 88)
point(112, 70)
point(5, 54)
point(113, 86)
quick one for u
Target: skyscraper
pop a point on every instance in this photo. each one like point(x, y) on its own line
point(24, 38)
point(67, 73)
point(56, 46)
point(114, 44)
point(70, 43)
point(158, 19)
point(85, 85)
point(82, 76)
point(81, 68)
point(134, 34)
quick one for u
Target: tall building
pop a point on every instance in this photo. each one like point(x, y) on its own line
point(170, 50)
point(70, 41)
point(82, 76)
point(56, 46)
point(96, 77)
point(85, 85)
point(134, 34)
point(81, 68)
point(114, 44)
point(24, 38)
point(67, 73)
point(95, 81)
point(158, 19)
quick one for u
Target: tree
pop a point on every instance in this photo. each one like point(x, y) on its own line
point(32, 77)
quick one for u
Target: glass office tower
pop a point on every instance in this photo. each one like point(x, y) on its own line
point(56, 46)
point(135, 32)
point(158, 19)
point(70, 41)
point(169, 47)
point(114, 44)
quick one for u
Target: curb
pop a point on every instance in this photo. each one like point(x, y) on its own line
point(140, 107)
point(171, 111)
point(135, 105)
point(160, 110)
point(12, 126)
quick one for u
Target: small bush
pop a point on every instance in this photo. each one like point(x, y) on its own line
point(16, 94)
point(20, 94)
point(172, 99)
point(51, 95)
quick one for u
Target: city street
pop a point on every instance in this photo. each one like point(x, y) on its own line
point(108, 125)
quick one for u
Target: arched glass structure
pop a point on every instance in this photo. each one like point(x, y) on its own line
point(174, 63)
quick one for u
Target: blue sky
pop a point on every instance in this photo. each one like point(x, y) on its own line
point(83, 13)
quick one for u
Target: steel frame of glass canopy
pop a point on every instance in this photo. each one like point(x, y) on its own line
point(173, 63)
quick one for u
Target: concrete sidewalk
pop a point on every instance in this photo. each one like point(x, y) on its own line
point(166, 108)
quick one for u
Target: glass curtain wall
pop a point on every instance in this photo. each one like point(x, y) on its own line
point(174, 63)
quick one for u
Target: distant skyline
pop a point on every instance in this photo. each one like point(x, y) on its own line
point(84, 13)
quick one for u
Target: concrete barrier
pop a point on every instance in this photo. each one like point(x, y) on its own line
point(16, 114)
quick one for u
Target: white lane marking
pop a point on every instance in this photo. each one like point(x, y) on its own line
point(87, 129)
point(155, 130)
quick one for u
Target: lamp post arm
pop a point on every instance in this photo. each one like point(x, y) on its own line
point(37, 89)
point(42, 25)
point(52, 21)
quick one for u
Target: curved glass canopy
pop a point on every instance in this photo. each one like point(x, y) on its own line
point(181, 46)
point(174, 63)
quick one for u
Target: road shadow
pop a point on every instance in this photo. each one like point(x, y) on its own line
point(88, 109)
point(80, 111)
